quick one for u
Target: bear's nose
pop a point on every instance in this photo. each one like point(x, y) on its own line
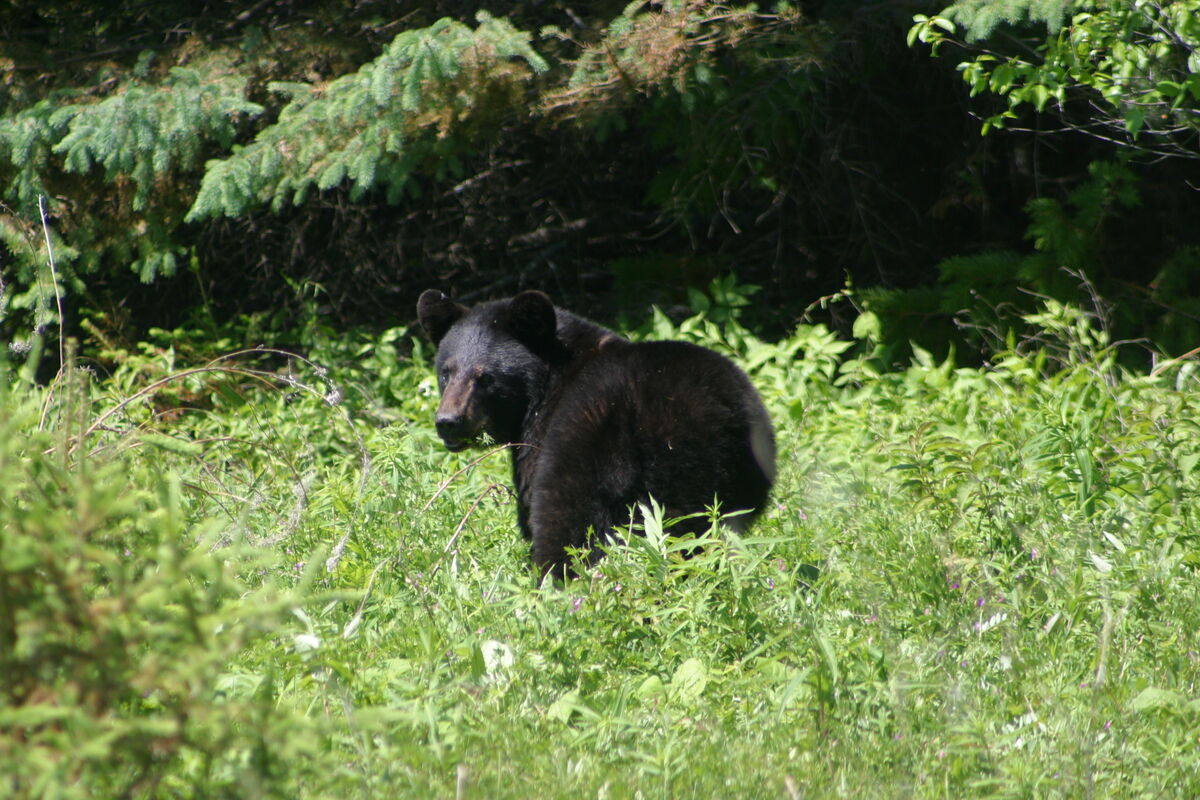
point(450, 426)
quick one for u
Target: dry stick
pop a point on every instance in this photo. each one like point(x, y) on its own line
point(62, 350)
point(446, 483)
point(461, 781)
point(334, 392)
point(320, 370)
point(211, 366)
point(136, 443)
point(1154, 373)
point(264, 376)
point(463, 524)
point(352, 625)
point(62, 353)
point(216, 494)
point(215, 366)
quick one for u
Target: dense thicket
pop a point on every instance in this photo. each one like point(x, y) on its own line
point(205, 160)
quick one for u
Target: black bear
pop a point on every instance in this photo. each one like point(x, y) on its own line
point(597, 424)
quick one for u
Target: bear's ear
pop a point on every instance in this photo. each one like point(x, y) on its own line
point(437, 313)
point(532, 321)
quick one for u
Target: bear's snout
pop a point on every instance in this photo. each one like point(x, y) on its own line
point(459, 417)
point(455, 430)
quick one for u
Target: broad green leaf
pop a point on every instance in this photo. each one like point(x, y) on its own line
point(689, 680)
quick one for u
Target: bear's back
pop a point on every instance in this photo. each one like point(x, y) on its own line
point(668, 420)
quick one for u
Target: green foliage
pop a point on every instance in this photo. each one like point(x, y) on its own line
point(376, 149)
point(142, 137)
point(233, 576)
point(142, 133)
point(120, 612)
point(143, 159)
point(990, 292)
point(433, 94)
point(410, 109)
point(706, 69)
point(980, 18)
point(1139, 60)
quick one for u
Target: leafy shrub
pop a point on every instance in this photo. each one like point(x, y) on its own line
point(980, 299)
point(121, 610)
point(1132, 67)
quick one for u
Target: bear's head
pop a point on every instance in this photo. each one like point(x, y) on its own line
point(492, 363)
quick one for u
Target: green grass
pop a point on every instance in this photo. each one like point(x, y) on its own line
point(971, 583)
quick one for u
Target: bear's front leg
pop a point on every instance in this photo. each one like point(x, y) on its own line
point(567, 515)
point(584, 481)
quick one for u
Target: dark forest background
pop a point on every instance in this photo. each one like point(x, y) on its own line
point(241, 167)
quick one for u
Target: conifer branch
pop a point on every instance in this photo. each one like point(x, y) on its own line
point(416, 104)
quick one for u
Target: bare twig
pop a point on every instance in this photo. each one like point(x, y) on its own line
point(462, 524)
point(446, 483)
point(1164, 366)
point(461, 781)
point(62, 351)
point(352, 625)
point(262, 375)
point(214, 365)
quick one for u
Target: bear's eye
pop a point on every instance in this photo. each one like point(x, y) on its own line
point(444, 375)
point(484, 381)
